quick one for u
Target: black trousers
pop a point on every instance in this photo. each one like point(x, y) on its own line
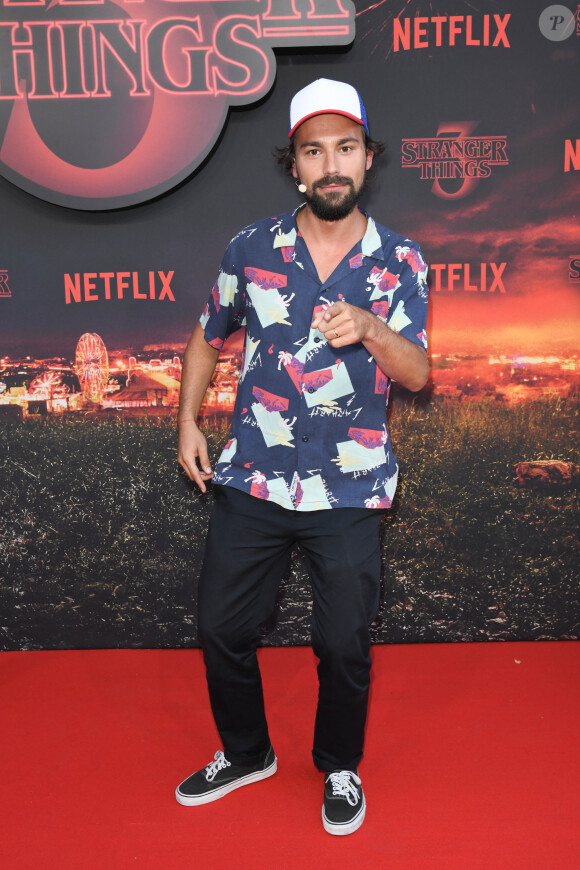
point(247, 553)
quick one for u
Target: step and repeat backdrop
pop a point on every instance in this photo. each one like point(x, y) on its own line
point(136, 139)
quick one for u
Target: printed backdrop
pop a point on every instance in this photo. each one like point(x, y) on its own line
point(100, 285)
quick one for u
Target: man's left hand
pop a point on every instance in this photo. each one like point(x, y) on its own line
point(343, 324)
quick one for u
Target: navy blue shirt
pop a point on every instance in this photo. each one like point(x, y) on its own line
point(309, 428)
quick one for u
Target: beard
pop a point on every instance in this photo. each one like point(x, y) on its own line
point(333, 206)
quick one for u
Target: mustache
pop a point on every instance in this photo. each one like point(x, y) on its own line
point(332, 179)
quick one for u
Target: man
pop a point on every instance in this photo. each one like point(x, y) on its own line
point(334, 307)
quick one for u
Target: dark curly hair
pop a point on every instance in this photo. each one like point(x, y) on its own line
point(286, 155)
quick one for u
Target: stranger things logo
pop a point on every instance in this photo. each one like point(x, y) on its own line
point(107, 104)
point(4, 288)
point(454, 159)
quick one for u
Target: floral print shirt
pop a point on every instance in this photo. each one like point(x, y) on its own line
point(309, 428)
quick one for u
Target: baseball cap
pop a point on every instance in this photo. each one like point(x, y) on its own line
point(325, 96)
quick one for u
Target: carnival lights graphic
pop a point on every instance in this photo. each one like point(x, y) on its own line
point(48, 385)
point(92, 365)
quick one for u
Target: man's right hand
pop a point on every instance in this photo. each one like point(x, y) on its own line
point(191, 448)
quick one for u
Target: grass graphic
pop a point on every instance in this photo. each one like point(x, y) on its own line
point(102, 536)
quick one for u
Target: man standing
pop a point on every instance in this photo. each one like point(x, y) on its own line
point(334, 307)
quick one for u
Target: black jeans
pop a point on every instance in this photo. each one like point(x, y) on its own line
point(247, 553)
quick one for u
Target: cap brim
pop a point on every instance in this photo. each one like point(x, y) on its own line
point(326, 112)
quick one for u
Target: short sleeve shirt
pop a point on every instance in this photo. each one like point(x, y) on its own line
point(309, 427)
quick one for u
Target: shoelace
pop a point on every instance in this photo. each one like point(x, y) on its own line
point(220, 762)
point(343, 785)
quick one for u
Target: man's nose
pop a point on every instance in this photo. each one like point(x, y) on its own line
point(330, 163)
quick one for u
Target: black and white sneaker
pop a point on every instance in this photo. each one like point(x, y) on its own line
point(221, 777)
point(344, 806)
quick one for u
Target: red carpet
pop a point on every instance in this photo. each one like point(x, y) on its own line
point(472, 763)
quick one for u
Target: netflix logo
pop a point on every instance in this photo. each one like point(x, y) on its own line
point(108, 286)
point(468, 277)
point(571, 155)
point(450, 30)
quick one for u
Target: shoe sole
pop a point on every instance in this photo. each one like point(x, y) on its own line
point(191, 801)
point(348, 827)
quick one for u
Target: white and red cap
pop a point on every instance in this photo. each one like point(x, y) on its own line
point(325, 96)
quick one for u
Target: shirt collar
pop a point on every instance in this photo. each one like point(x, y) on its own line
point(370, 245)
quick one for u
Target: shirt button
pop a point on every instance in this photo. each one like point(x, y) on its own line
point(310, 389)
point(317, 338)
point(305, 438)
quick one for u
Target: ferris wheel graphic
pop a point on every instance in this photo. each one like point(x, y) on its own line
point(92, 365)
